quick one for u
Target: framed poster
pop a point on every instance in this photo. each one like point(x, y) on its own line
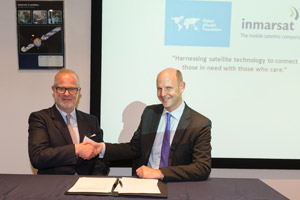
point(40, 32)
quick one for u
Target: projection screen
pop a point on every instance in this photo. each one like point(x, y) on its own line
point(239, 59)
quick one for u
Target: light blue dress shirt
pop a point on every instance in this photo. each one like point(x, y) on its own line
point(73, 121)
point(155, 155)
point(154, 158)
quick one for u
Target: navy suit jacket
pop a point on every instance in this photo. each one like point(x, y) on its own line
point(190, 151)
point(50, 145)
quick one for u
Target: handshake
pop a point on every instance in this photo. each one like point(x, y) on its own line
point(88, 149)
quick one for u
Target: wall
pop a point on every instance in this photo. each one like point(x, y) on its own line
point(25, 91)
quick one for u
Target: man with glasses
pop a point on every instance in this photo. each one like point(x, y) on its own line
point(56, 134)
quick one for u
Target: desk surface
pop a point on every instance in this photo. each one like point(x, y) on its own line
point(54, 187)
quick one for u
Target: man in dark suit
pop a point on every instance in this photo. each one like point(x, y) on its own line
point(55, 140)
point(189, 150)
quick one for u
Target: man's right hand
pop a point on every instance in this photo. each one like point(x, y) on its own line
point(98, 146)
point(85, 151)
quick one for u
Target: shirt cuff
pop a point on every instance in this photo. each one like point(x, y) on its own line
point(162, 176)
point(101, 155)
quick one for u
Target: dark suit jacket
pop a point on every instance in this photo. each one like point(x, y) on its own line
point(190, 151)
point(50, 145)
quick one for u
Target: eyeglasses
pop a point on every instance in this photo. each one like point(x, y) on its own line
point(62, 90)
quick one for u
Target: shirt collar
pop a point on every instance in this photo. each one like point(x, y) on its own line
point(177, 112)
point(64, 114)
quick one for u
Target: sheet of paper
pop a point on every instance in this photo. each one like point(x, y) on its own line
point(93, 184)
point(87, 139)
point(137, 185)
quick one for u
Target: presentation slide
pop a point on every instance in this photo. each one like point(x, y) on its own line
point(239, 59)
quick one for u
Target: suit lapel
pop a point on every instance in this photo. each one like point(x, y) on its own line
point(181, 129)
point(82, 129)
point(155, 118)
point(60, 124)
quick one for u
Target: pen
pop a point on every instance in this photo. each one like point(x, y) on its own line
point(121, 184)
point(115, 185)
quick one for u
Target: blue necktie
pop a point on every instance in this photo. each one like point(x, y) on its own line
point(165, 148)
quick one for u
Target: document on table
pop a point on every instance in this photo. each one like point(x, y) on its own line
point(87, 184)
point(119, 185)
point(137, 185)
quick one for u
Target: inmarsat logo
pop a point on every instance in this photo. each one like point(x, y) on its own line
point(272, 25)
point(294, 13)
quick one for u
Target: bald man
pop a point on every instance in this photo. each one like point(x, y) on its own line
point(188, 142)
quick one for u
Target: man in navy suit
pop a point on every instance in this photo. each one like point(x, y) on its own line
point(189, 156)
point(55, 142)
